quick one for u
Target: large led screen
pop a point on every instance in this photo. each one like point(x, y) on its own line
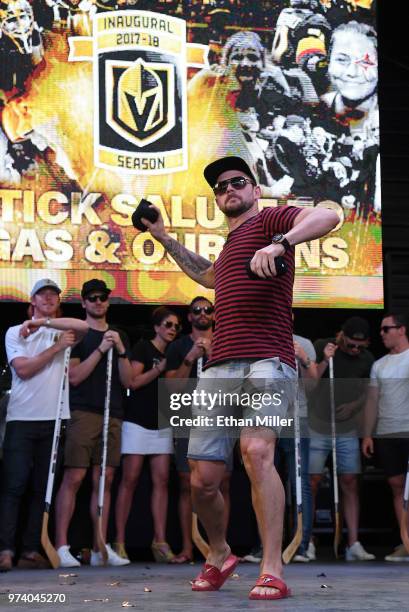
point(104, 103)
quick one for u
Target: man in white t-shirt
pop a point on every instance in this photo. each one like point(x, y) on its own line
point(35, 351)
point(387, 413)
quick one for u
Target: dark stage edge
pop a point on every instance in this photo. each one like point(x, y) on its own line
point(350, 586)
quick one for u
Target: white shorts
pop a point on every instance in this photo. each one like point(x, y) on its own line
point(137, 440)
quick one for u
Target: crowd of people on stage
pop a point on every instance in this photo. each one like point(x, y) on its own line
point(371, 408)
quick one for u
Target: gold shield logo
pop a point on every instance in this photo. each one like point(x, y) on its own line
point(140, 98)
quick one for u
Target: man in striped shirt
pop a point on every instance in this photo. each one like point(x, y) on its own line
point(252, 341)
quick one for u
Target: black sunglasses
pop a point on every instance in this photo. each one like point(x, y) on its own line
point(352, 345)
point(170, 324)
point(206, 309)
point(237, 182)
point(93, 298)
point(386, 328)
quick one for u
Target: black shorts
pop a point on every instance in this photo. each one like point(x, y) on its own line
point(392, 453)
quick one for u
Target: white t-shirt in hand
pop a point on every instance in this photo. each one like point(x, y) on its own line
point(390, 375)
point(35, 399)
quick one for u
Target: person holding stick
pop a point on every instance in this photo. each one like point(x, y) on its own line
point(252, 345)
point(88, 387)
point(184, 359)
point(352, 363)
point(35, 352)
point(386, 414)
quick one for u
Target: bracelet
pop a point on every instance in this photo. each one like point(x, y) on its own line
point(101, 352)
point(187, 362)
point(306, 364)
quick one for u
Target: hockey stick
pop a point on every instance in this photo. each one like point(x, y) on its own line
point(405, 513)
point(45, 540)
point(337, 534)
point(197, 538)
point(101, 489)
point(291, 549)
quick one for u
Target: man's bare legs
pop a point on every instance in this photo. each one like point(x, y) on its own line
point(185, 511)
point(267, 491)
point(350, 505)
point(65, 503)
point(397, 485)
point(131, 470)
point(207, 499)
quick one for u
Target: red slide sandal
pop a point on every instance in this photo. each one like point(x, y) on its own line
point(215, 577)
point(270, 581)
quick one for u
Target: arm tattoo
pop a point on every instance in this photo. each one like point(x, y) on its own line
point(188, 261)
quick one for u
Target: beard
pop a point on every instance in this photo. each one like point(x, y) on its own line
point(242, 207)
point(202, 326)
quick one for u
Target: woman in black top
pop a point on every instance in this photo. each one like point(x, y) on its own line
point(141, 435)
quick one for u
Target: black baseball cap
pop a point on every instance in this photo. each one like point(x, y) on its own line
point(95, 284)
point(231, 162)
point(356, 328)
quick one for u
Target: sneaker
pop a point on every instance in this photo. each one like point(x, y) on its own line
point(66, 558)
point(311, 552)
point(357, 552)
point(119, 548)
point(113, 558)
point(301, 558)
point(6, 561)
point(255, 556)
point(400, 554)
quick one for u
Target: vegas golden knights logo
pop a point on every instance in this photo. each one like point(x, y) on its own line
point(140, 76)
point(140, 98)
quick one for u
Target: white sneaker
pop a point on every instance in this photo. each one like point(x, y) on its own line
point(399, 555)
point(357, 552)
point(301, 558)
point(311, 551)
point(66, 558)
point(113, 558)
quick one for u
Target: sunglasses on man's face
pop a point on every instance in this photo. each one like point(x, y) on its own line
point(351, 346)
point(171, 324)
point(385, 328)
point(197, 310)
point(93, 298)
point(237, 182)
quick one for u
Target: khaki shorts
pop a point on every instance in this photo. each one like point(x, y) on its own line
point(83, 444)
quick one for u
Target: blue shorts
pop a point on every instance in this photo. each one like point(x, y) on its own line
point(348, 454)
point(244, 378)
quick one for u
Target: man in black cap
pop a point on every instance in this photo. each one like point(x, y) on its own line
point(88, 371)
point(352, 364)
point(252, 340)
point(35, 351)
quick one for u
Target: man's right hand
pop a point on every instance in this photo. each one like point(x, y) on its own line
point(329, 350)
point(66, 340)
point(157, 229)
point(367, 447)
point(197, 350)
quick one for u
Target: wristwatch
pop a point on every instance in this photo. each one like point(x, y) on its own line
point(279, 239)
point(122, 355)
point(306, 364)
point(47, 322)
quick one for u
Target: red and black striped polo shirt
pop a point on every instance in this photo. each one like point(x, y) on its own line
point(253, 317)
